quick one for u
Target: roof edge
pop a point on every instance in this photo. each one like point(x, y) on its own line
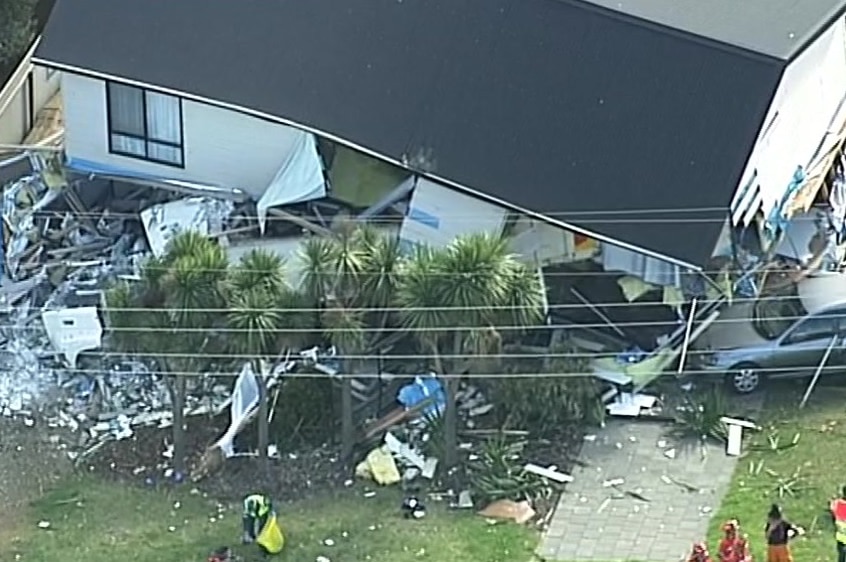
point(669, 30)
point(378, 155)
point(810, 38)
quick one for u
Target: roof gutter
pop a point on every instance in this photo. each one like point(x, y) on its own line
point(379, 156)
point(18, 78)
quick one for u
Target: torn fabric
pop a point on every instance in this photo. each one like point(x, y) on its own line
point(299, 179)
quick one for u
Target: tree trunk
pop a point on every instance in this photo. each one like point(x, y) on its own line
point(451, 412)
point(263, 414)
point(179, 385)
point(347, 429)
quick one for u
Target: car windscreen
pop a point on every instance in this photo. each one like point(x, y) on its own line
point(773, 314)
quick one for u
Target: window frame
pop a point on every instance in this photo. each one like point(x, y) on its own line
point(146, 138)
point(830, 315)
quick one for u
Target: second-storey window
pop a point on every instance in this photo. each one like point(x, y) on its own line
point(145, 124)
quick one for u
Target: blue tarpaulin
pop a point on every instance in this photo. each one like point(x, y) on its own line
point(421, 389)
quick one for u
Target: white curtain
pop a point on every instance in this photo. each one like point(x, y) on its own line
point(126, 111)
point(163, 124)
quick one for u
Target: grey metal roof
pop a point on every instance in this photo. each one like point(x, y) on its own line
point(626, 129)
point(779, 28)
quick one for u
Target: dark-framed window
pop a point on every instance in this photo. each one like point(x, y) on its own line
point(145, 124)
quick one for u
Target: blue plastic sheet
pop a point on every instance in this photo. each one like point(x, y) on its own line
point(422, 389)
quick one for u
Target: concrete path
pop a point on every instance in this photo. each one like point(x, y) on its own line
point(599, 521)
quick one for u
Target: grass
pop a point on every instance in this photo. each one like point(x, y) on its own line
point(96, 521)
point(818, 456)
point(361, 180)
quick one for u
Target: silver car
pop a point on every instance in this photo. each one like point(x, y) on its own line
point(783, 335)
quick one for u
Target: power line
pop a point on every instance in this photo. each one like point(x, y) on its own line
point(606, 214)
point(586, 355)
point(399, 273)
point(505, 308)
point(414, 329)
point(297, 375)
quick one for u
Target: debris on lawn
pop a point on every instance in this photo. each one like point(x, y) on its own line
point(412, 508)
point(550, 472)
point(380, 467)
point(630, 405)
point(735, 434)
point(509, 510)
point(465, 500)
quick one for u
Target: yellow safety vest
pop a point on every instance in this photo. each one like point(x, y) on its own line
point(256, 505)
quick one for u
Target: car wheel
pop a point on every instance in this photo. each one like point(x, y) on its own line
point(745, 378)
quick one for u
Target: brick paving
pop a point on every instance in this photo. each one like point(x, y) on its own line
point(587, 525)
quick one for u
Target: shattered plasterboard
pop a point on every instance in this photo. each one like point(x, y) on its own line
point(201, 214)
point(73, 330)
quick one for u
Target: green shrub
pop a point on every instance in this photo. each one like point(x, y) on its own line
point(498, 473)
point(548, 397)
point(303, 414)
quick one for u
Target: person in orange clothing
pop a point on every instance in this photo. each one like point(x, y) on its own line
point(779, 531)
point(734, 547)
point(699, 553)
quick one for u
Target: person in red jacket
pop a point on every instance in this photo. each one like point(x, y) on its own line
point(699, 553)
point(734, 547)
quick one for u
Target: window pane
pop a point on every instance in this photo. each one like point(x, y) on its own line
point(128, 145)
point(164, 153)
point(163, 123)
point(126, 109)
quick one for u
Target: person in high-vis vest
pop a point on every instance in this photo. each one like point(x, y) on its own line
point(261, 525)
point(838, 513)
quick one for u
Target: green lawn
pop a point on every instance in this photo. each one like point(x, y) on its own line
point(94, 521)
point(361, 180)
point(818, 456)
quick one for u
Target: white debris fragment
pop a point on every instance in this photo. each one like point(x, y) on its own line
point(590, 438)
point(43, 524)
point(171, 529)
point(613, 482)
point(670, 453)
point(329, 542)
point(322, 559)
point(662, 443)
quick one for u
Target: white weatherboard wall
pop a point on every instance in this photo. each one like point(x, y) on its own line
point(437, 215)
point(27, 83)
point(222, 148)
point(803, 108)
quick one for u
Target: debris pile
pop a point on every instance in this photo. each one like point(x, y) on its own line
point(65, 238)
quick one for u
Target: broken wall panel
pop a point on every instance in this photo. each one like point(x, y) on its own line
point(437, 215)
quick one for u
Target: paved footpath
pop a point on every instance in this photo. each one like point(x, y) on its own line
point(602, 522)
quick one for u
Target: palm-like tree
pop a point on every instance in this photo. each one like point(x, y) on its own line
point(265, 316)
point(349, 274)
point(171, 315)
point(460, 298)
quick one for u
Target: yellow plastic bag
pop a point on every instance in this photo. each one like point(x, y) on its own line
point(271, 537)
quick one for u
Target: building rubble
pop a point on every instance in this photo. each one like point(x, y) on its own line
point(65, 239)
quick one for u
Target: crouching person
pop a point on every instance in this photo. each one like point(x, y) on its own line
point(261, 525)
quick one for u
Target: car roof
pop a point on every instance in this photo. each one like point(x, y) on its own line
point(822, 292)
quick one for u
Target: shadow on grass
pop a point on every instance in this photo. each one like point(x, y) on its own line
point(96, 521)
